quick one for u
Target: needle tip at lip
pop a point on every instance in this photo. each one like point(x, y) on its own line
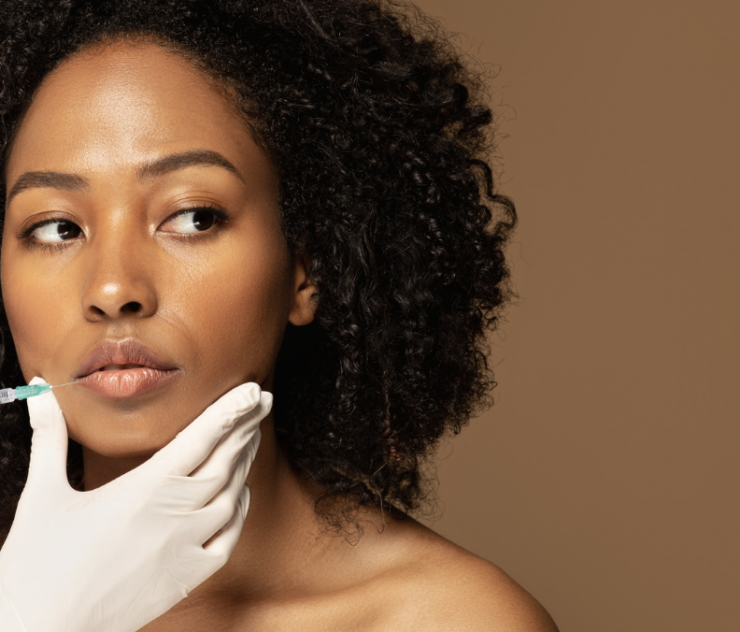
point(121, 352)
point(65, 384)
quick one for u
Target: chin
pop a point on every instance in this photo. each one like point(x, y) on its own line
point(126, 443)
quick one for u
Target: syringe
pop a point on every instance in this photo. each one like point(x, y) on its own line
point(8, 395)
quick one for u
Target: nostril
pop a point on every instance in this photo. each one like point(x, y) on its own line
point(103, 301)
point(133, 307)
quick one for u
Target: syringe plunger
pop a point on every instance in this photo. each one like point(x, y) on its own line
point(7, 395)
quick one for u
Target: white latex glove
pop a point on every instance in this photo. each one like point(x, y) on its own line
point(117, 557)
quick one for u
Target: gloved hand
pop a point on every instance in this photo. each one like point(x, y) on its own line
point(117, 557)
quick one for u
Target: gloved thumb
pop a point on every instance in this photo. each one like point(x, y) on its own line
point(49, 441)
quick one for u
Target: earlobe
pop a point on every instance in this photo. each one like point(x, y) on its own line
point(304, 305)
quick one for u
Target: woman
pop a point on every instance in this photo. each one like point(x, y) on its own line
point(286, 193)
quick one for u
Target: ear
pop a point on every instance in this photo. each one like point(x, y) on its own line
point(304, 305)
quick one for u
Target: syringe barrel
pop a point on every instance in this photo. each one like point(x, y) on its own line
point(24, 392)
point(7, 395)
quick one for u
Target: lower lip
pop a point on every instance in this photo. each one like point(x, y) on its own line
point(126, 382)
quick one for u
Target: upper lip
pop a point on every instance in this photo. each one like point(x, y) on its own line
point(127, 351)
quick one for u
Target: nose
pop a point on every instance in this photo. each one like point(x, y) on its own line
point(119, 284)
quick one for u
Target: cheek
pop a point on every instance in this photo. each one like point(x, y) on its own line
point(239, 311)
point(37, 310)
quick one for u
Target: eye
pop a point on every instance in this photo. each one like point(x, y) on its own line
point(55, 231)
point(193, 221)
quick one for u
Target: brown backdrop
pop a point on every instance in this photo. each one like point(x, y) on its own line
point(605, 478)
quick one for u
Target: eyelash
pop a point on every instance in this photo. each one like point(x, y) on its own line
point(221, 218)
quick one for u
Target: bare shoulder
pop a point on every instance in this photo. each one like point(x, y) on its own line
point(484, 597)
point(441, 586)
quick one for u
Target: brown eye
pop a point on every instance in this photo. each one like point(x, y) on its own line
point(56, 231)
point(192, 221)
point(203, 220)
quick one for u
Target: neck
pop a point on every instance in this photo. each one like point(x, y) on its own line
point(283, 548)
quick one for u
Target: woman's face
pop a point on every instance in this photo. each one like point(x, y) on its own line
point(142, 216)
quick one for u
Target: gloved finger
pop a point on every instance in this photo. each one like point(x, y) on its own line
point(49, 442)
point(219, 549)
point(243, 506)
point(252, 447)
point(190, 493)
point(222, 545)
point(219, 511)
point(193, 445)
point(228, 449)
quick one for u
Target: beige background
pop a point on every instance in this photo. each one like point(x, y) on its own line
point(606, 477)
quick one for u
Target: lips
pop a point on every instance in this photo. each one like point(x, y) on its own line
point(124, 368)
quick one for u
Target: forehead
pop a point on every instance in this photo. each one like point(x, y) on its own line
point(124, 104)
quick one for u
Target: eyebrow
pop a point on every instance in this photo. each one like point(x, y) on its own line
point(168, 164)
point(50, 179)
point(154, 169)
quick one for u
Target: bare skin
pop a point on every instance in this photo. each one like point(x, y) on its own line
point(116, 260)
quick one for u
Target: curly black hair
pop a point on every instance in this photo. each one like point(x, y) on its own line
point(382, 140)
